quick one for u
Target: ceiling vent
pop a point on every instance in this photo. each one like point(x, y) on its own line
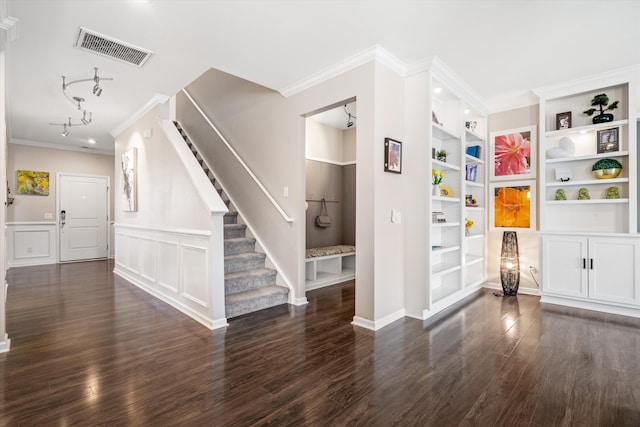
point(112, 48)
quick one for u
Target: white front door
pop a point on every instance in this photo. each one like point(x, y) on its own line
point(83, 217)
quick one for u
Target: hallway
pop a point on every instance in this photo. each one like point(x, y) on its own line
point(90, 349)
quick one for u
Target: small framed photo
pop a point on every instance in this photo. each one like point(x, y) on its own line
point(392, 155)
point(608, 140)
point(563, 120)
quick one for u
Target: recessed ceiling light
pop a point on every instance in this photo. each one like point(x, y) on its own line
point(437, 90)
point(91, 141)
point(467, 111)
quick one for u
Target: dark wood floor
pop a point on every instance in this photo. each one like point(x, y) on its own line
point(90, 349)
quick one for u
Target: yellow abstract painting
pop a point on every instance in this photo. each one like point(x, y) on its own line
point(33, 182)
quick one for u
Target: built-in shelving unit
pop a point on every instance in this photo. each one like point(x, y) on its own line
point(452, 264)
point(590, 248)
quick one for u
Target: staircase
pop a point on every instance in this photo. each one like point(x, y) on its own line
point(248, 285)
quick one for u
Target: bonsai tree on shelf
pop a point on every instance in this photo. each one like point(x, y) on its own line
point(600, 101)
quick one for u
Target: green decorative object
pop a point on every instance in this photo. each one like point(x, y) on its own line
point(560, 194)
point(613, 193)
point(600, 101)
point(606, 168)
point(583, 194)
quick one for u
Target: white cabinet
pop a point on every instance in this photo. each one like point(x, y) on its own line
point(592, 269)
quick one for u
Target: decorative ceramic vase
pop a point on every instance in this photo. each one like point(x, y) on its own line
point(435, 191)
point(602, 118)
point(607, 173)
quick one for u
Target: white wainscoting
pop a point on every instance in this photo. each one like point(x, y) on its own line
point(31, 243)
point(173, 265)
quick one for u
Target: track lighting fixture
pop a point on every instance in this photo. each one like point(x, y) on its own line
point(349, 121)
point(83, 122)
point(97, 90)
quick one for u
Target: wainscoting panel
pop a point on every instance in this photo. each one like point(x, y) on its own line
point(172, 265)
point(31, 243)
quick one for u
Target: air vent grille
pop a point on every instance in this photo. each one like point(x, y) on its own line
point(112, 48)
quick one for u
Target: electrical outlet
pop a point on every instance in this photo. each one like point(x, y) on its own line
point(285, 191)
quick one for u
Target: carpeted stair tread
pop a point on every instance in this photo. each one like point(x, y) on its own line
point(254, 300)
point(238, 245)
point(242, 262)
point(249, 279)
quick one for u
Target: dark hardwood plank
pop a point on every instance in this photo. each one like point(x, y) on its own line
point(89, 348)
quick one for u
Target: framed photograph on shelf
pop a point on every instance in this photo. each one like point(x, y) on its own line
point(608, 140)
point(512, 154)
point(512, 206)
point(563, 120)
point(392, 155)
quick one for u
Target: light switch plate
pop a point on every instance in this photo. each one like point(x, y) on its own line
point(48, 215)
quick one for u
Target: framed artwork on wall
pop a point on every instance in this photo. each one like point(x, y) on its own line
point(563, 120)
point(33, 183)
point(512, 154)
point(512, 206)
point(608, 140)
point(392, 155)
point(129, 172)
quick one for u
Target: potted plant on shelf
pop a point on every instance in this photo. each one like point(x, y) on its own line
point(441, 155)
point(436, 179)
point(601, 101)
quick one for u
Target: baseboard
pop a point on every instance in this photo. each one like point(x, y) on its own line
point(298, 301)
point(380, 323)
point(5, 344)
point(524, 291)
point(588, 305)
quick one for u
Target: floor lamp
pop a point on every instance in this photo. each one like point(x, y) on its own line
point(510, 264)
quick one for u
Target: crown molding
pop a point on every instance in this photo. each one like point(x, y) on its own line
point(52, 146)
point(374, 53)
point(157, 99)
point(9, 25)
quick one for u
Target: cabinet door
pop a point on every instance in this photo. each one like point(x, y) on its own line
point(564, 266)
point(613, 270)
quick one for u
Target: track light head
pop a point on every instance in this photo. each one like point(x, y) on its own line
point(97, 90)
point(65, 132)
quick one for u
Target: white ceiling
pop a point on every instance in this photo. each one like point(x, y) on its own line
point(500, 48)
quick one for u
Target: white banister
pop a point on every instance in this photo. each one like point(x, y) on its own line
point(284, 215)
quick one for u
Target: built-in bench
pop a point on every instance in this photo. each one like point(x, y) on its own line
point(329, 265)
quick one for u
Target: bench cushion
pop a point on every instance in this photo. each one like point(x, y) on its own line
point(330, 250)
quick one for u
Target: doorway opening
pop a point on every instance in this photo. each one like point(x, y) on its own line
point(330, 195)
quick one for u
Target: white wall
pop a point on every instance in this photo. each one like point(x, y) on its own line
point(33, 208)
point(528, 246)
point(327, 144)
point(166, 195)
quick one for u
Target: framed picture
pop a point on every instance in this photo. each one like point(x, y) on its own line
point(512, 154)
point(563, 120)
point(512, 206)
point(129, 171)
point(608, 140)
point(392, 155)
point(32, 183)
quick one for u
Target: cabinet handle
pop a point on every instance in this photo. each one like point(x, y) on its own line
point(584, 263)
point(591, 263)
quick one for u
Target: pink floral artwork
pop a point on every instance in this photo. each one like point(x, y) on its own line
point(512, 154)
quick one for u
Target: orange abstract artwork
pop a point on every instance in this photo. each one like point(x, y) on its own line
point(512, 207)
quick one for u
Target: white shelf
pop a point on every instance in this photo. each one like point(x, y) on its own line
point(586, 202)
point(441, 132)
point(436, 162)
point(473, 136)
point(474, 184)
point(474, 208)
point(472, 159)
point(588, 182)
point(444, 250)
point(473, 260)
point(444, 268)
point(591, 157)
point(475, 237)
point(446, 199)
point(445, 224)
point(587, 128)
point(443, 291)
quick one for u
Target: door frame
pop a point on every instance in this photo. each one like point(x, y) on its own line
point(58, 195)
